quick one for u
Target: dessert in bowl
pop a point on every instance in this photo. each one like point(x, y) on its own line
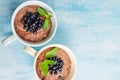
point(33, 23)
point(53, 62)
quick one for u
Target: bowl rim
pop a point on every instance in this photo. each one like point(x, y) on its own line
point(53, 30)
point(70, 54)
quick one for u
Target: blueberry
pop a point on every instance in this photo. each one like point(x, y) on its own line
point(36, 29)
point(57, 68)
point(51, 58)
point(57, 64)
point(37, 14)
point(33, 24)
point(57, 60)
point(31, 17)
point(60, 70)
point(51, 72)
point(61, 64)
point(25, 22)
point(55, 72)
point(29, 14)
point(53, 67)
point(24, 18)
point(39, 21)
point(37, 18)
point(28, 21)
point(33, 28)
point(26, 27)
point(50, 68)
point(39, 28)
point(42, 21)
point(34, 15)
point(59, 77)
point(36, 22)
point(30, 29)
point(39, 25)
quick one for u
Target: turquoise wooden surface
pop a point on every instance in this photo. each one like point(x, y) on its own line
point(91, 28)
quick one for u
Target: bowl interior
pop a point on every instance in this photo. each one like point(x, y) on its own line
point(70, 53)
point(53, 19)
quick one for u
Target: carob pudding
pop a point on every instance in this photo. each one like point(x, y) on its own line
point(33, 23)
point(53, 64)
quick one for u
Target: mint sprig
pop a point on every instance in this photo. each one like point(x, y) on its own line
point(48, 15)
point(51, 53)
point(46, 24)
point(43, 13)
point(44, 66)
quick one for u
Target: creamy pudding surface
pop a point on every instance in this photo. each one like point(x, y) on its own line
point(57, 71)
point(29, 24)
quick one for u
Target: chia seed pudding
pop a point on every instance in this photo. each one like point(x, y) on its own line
point(58, 71)
point(29, 24)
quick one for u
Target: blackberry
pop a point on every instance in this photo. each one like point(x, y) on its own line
point(54, 69)
point(32, 22)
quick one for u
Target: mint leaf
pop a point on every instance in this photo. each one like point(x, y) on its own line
point(51, 53)
point(46, 24)
point(50, 62)
point(48, 15)
point(42, 11)
point(44, 66)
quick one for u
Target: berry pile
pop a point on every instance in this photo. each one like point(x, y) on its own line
point(54, 69)
point(32, 22)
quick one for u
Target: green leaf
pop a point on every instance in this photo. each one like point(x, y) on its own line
point(46, 24)
point(42, 11)
point(44, 66)
point(51, 53)
point(50, 62)
point(48, 15)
